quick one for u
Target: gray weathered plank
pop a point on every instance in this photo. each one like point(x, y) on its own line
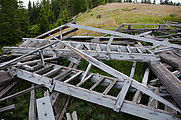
point(170, 81)
point(32, 106)
point(8, 108)
point(44, 108)
point(19, 93)
point(171, 59)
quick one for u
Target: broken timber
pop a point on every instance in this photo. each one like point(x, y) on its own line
point(44, 35)
point(171, 59)
point(93, 96)
point(99, 51)
point(62, 87)
point(169, 80)
point(7, 108)
point(5, 77)
point(59, 78)
point(164, 43)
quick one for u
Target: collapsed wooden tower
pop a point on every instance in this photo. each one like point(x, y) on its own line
point(33, 63)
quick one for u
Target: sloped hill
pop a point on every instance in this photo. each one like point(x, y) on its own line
point(114, 14)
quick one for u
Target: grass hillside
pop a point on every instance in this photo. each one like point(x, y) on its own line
point(114, 14)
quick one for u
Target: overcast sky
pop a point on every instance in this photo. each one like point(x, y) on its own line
point(27, 1)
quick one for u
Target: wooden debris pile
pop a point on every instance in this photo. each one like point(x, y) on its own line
point(36, 60)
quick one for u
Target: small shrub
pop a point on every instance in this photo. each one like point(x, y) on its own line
point(172, 15)
point(126, 9)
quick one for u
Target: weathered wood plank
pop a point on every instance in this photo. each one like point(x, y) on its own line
point(32, 106)
point(68, 98)
point(68, 116)
point(153, 103)
point(60, 116)
point(109, 87)
point(169, 67)
point(97, 83)
point(5, 77)
point(138, 94)
point(8, 108)
point(52, 31)
point(20, 93)
point(64, 33)
point(7, 88)
point(168, 108)
point(170, 81)
point(58, 101)
point(44, 109)
point(171, 59)
point(74, 116)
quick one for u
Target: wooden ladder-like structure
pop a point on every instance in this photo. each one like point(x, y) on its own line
point(99, 51)
point(83, 84)
point(71, 82)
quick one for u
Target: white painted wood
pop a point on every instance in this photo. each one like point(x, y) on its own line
point(73, 77)
point(97, 83)
point(109, 87)
point(133, 69)
point(122, 95)
point(44, 109)
point(86, 72)
point(84, 80)
point(110, 40)
point(74, 116)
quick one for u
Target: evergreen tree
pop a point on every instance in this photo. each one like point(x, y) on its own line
point(29, 7)
point(149, 1)
point(166, 2)
point(23, 19)
point(46, 16)
point(154, 1)
point(0, 8)
point(63, 18)
point(161, 2)
point(10, 28)
point(171, 3)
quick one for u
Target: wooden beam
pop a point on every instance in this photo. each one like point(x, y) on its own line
point(46, 34)
point(64, 109)
point(5, 77)
point(74, 116)
point(20, 93)
point(8, 108)
point(7, 88)
point(32, 106)
point(171, 59)
point(170, 81)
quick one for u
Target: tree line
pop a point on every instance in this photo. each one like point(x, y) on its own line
point(17, 22)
